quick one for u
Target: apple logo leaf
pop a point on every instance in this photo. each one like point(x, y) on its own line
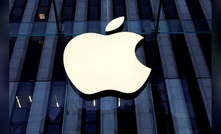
point(114, 25)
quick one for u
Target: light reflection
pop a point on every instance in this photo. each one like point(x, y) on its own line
point(118, 102)
point(30, 98)
point(19, 105)
point(56, 99)
point(94, 103)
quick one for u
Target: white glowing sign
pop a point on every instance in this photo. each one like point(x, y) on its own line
point(96, 63)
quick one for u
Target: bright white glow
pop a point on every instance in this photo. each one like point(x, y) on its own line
point(19, 105)
point(57, 104)
point(118, 102)
point(41, 16)
point(56, 100)
point(95, 62)
point(30, 98)
point(94, 103)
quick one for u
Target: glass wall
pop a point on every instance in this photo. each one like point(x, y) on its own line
point(176, 46)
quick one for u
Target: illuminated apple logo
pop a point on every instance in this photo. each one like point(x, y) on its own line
point(107, 64)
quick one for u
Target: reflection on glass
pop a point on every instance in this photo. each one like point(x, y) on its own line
point(54, 116)
point(118, 102)
point(18, 101)
point(56, 99)
point(22, 104)
point(91, 117)
point(94, 103)
point(30, 98)
point(126, 117)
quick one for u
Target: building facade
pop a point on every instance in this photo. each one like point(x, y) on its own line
point(176, 45)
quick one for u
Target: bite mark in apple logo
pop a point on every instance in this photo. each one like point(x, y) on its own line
point(105, 65)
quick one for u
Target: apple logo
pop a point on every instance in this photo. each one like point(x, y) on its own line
point(105, 65)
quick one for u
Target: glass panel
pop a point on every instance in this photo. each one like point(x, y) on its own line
point(21, 108)
point(44, 3)
point(59, 73)
point(90, 117)
point(90, 129)
point(54, 117)
point(68, 10)
point(126, 117)
point(94, 10)
point(53, 129)
point(161, 106)
point(32, 59)
point(20, 3)
point(146, 28)
point(11, 45)
point(144, 8)
point(16, 15)
point(119, 8)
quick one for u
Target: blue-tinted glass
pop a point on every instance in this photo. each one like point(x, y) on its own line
point(161, 106)
point(53, 129)
point(39, 28)
point(90, 129)
point(68, 13)
point(174, 25)
point(21, 108)
point(90, 117)
point(168, 2)
point(189, 103)
point(94, 13)
point(126, 117)
point(20, 3)
point(18, 128)
point(68, 10)
point(32, 59)
point(17, 11)
point(57, 94)
point(16, 15)
point(59, 73)
point(20, 115)
point(44, 3)
point(54, 116)
point(145, 13)
point(94, 2)
point(43, 10)
point(11, 45)
point(69, 3)
point(119, 8)
point(119, 11)
point(119, 2)
point(94, 10)
point(201, 25)
point(170, 9)
point(93, 26)
point(186, 70)
point(171, 12)
point(144, 8)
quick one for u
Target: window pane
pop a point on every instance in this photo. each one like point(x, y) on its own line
point(32, 58)
point(16, 15)
point(68, 13)
point(20, 3)
point(20, 115)
point(53, 129)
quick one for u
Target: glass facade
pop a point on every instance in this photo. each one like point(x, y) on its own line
point(176, 45)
